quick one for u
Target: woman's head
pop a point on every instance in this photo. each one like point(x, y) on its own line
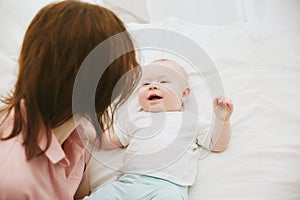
point(56, 43)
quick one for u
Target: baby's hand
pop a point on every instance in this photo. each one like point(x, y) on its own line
point(223, 108)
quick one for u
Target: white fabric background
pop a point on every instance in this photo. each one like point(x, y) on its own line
point(260, 17)
point(260, 72)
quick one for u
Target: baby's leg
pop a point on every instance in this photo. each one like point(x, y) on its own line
point(174, 193)
point(160, 189)
point(126, 188)
point(111, 191)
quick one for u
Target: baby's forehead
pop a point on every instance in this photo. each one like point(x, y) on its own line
point(157, 70)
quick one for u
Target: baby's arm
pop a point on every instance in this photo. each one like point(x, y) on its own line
point(221, 133)
point(110, 139)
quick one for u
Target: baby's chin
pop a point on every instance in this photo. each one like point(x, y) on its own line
point(154, 108)
point(158, 108)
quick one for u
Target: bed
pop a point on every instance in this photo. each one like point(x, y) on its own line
point(259, 67)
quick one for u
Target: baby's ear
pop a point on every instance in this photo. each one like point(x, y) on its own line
point(185, 94)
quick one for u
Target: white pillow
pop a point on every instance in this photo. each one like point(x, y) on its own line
point(265, 17)
point(213, 12)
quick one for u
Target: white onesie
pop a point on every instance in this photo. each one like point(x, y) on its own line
point(166, 145)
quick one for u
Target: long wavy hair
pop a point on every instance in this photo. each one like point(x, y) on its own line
point(55, 45)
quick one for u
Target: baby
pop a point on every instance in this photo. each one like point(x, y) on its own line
point(165, 140)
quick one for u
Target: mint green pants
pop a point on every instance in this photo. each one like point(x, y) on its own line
point(140, 187)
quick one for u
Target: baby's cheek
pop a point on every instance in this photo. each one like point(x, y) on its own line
point(141, 93)
point(177, 94)
point(174, 99)
point(172, 89)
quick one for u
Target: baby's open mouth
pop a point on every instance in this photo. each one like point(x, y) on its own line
point(153, 97)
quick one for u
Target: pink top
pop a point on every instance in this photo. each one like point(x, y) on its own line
point(54, 175)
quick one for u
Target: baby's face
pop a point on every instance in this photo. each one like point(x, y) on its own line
point(162, 88)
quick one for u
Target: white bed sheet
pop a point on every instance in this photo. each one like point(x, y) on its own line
point(263, 79)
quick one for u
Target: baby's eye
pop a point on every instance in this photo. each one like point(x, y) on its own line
point(164, 82)
point(146, 84)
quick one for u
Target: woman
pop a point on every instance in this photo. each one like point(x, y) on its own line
point(42, 153)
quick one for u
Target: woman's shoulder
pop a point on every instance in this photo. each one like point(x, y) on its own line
point(6, 123)
point(11, 147)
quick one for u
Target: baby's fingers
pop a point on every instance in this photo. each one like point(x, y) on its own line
point(229, 105)
point(216, 101)
point(224, 103)
point(219, 101)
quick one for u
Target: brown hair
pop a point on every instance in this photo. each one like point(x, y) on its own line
point(56, 43)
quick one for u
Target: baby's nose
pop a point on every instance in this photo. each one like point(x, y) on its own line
point(153, 87)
